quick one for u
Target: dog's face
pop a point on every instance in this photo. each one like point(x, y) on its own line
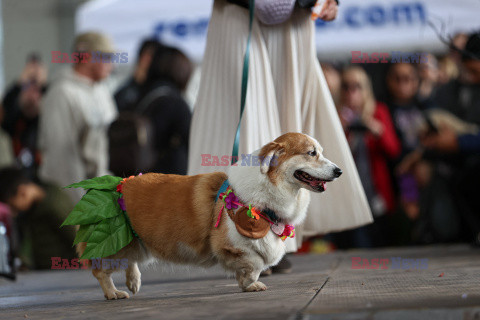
point(296, 160)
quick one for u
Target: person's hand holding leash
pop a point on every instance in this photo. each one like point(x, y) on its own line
point(328, 11)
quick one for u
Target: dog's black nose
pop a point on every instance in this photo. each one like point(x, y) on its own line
point(337, 172)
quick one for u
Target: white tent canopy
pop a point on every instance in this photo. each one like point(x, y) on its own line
point(367, 26)
point(182, 23)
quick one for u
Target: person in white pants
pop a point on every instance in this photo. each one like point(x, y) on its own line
point(287, 92)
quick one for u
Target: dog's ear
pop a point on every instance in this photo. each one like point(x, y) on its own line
point(269, 156)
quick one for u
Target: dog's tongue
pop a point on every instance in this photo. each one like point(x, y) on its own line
point(315, 183)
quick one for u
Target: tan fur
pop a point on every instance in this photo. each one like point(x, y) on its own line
point(161, 210)
point(283, 148)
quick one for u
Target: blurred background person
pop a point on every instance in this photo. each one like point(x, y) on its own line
point(37, 211)
point(461, 95)
point(7, 258)
point(6, 149)
point(461, 149)
point(161, 114)
point(428, 75)
point(457, 44)
point(76, 112)
point(447, 160)
point(8, 233)
point(127, 96)
point(402, 82)
point(334, 80)
point(373, 141)
point(447, 70)
point(22, 109)
point(162, 100)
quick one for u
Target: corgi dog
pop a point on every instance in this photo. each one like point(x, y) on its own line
point(238, 220)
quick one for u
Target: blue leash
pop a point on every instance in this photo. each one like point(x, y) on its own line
point(246, 63)
point(222, 189)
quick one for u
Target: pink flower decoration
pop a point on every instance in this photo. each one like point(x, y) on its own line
point(121, 202)
point(289, 231)
point(231, 200)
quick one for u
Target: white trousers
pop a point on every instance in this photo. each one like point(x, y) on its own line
point(287, 92)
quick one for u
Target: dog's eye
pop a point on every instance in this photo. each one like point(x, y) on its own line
point(312, 153)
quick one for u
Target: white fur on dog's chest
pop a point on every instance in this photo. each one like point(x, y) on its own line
point(264, 252)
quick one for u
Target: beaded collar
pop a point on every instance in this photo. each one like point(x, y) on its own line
point(232, 202)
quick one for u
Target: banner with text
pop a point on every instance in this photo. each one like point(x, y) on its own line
point(368, 25)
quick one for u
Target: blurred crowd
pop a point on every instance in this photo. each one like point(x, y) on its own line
point(71, 128)
point(415, 139)
point(413, 129)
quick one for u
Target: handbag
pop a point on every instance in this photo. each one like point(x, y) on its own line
point(274, 11)
point(270, 12)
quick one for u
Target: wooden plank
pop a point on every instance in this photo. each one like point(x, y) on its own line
point(191, 293)
point(185, 293)
point(451, 283)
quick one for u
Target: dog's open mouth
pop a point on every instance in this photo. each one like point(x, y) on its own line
point(315, 183)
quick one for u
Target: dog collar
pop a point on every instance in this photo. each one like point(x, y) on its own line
point(232, 202)
point(271, 214)
point(268, 212)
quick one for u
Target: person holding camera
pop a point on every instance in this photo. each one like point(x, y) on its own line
point(374, 142)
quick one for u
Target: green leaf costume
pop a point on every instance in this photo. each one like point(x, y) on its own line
point(104, 226)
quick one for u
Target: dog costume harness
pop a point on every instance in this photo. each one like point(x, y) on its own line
point(104, 224)
point(249, 221)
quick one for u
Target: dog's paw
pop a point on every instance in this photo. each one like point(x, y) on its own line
point(256, 286)
point(133, 284)
point(117, 294)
